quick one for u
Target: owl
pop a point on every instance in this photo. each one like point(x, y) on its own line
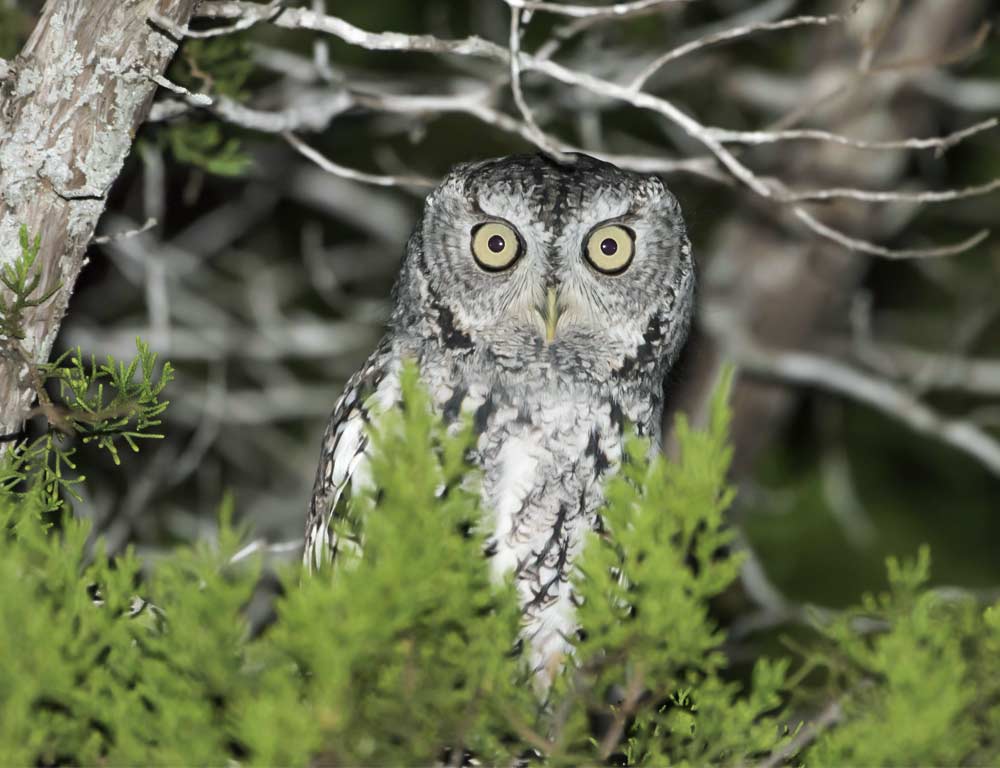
point(548, 301)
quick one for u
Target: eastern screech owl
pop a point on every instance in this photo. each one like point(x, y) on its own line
point(549, 300)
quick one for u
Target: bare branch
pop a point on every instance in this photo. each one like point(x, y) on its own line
point(303, 18)
point(873, 249)
point(593, 11)
point(938, 143)
point(179, 31)
point(538, 136)
point(876, 196)
point(725, 36)
point(838, 377)
point(105, 239)
point(474, 46)
point(312, 111)
point(349, 173)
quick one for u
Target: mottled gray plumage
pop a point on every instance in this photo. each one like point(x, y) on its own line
point(552, 355)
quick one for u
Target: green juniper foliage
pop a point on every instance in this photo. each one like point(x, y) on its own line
point(406, 652)
point(23, 282)
point(916, 676)
point(104, 404)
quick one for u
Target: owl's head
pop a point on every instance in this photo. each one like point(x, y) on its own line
point(580, 267)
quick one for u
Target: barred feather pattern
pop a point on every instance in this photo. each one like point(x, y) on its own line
point(549, 414)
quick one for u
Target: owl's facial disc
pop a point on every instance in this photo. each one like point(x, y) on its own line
point(581, 267)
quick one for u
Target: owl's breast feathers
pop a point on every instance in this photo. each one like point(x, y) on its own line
point(544, 446)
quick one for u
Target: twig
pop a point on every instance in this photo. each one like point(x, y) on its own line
point(105, 239)
point(873, 249)
point(876, 196)
point(537, 135)
point(592, 11)
point(260, 545)
point(274, 7)
point(195, 99)
point(937, 143)
point(832, 714)
point(349, 173)
point(633, 695)
point(725, 36)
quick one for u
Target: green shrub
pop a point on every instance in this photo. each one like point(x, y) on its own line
point(406, 652)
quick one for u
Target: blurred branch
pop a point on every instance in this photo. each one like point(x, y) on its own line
point(826, 373)
point(281, 548)
point(831, 714)
point(105, 239)
point(935, 370)
point(874, 196)
point(856, 244)
point(974, 95)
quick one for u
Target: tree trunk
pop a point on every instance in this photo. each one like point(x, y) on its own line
point(70, 105)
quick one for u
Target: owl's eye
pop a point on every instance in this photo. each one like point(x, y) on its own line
point(495, 245)
point(609, 249)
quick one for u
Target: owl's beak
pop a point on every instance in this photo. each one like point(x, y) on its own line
point(551, 315)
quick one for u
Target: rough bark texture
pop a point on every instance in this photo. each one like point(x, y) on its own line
point(70, 105)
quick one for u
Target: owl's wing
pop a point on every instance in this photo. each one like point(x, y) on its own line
point(343, 449)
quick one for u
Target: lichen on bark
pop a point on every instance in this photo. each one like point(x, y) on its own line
point(70, 106)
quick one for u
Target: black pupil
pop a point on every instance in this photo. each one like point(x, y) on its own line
point(609, 246)
point(496, 244)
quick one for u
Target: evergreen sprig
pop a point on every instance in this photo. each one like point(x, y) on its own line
point(101, 403)
point(20, 277)
point(107, 402)
point(406, 651)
